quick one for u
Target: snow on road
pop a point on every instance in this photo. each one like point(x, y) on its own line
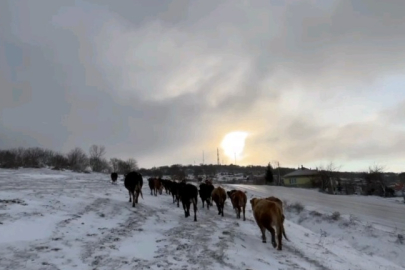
point(65, 220)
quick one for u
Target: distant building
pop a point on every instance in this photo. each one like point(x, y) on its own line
point(301, 178)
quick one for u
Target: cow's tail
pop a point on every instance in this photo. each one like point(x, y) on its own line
point(194, 200)
point(236, 201)
point(282, 227)
point(140, 189)
point(223, 202)
point(285, 236)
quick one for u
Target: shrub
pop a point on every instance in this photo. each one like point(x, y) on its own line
point(315, 214)
point(400, 239)
point(77, 159)
point(298, 207)
point(335, 216)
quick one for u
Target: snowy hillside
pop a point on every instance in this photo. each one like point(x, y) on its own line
point(64, 220)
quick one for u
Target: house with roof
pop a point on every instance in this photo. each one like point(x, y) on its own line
point(302, 178)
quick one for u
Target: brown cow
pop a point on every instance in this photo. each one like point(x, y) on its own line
point(219, 197)
point(280, 204)
point(157, 186)
point(239, 199)
point(268, 214)
point(276, 200)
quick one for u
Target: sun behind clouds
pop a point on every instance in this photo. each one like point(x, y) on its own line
point(233, 144)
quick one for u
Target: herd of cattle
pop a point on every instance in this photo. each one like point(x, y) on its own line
point(268, 212)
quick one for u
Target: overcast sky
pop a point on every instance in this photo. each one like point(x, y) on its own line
point(161, 81)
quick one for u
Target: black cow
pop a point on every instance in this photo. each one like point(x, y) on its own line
point(166, 185)
point(133, 183)
point(114, 177)
point(205, 194)
point(174, 189)
point(188, 194)
point(151, 182)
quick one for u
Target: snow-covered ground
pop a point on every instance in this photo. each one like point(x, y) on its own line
point(64, 220)
point(386, 212)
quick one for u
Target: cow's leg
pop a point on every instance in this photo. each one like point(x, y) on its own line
point(195, 209)
point(222, 209)
point(219, 208)
point(202, 202)
point(133, 199)
point(129, 192)
point(273, 236)
point(208, 204)
point(243, 208)
point(184, 208)
point(188, 208)
point(279, 237)
point(263, 230)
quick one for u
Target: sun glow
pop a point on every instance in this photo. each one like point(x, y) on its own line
point(234, 143)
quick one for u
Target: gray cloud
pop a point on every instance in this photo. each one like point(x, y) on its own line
point(163, 81)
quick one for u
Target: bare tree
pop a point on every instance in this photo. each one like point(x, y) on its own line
point(156, 172)
point(59, 161)
point(375, 181)
point(177, 172)
point(123, 167)
point(97, 163)
point(36, 157)
point(114, 164)
point(9, 159)
point(401, 177)
point(350, 186)
point(97, 151)
point(197, 171)
point(329, 177)
point(132, 164)
point(77, 159)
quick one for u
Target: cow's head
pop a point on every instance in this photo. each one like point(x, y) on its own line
point(253, 202)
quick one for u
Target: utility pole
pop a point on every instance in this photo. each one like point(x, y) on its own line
point(278, 172)
point(203, 158)
point(218, 157)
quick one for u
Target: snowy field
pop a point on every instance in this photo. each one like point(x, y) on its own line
point(64, 220)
